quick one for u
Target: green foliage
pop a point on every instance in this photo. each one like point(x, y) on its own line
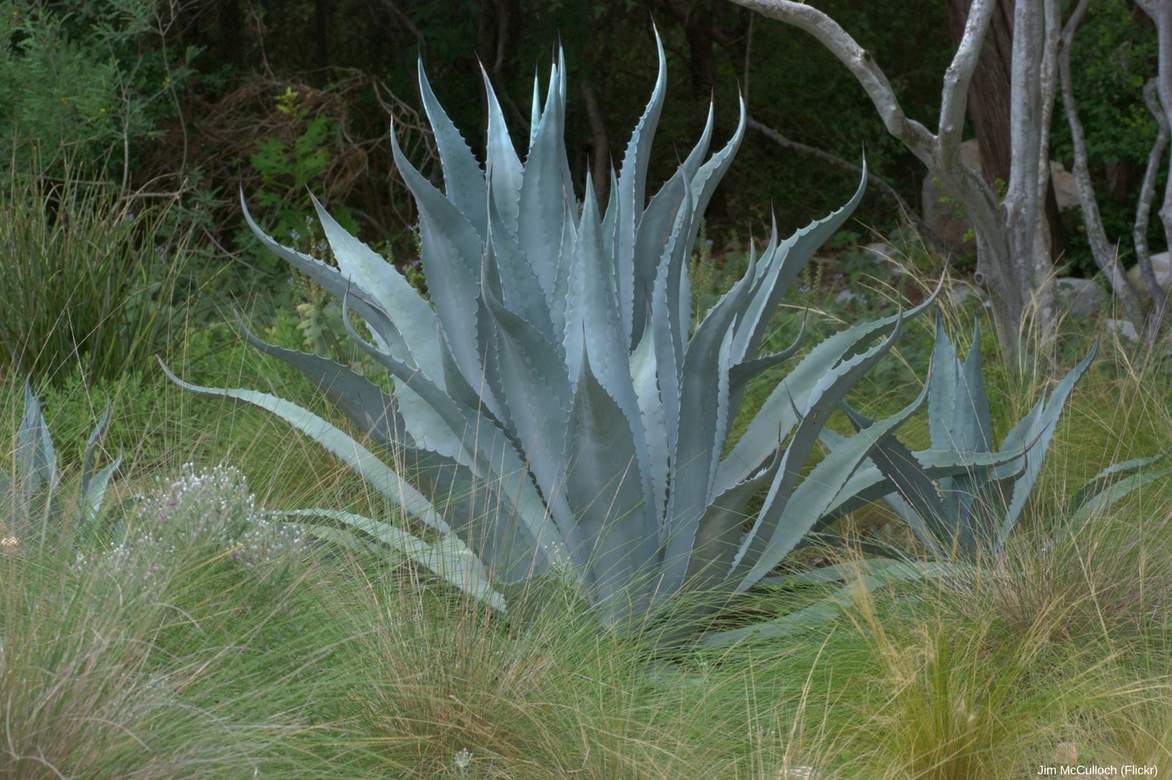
point(287, 172)
point(89, 278)
point(77, 83)
point(574, 393)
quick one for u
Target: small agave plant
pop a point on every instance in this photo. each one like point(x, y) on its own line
point(30, 498)
point(969, 512)
point(557, 394)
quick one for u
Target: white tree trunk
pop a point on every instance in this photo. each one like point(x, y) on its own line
point(999, 259)
point(1161, 13)
point(1143, 211)
point(1105, 253)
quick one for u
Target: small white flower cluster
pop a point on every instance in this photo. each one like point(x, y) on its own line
point(209, 505)
point(462, 759)
point(200, 500)
point(265, 540)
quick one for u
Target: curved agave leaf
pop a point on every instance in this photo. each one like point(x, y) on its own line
point(503, 166)
point(463, 177)
point(789, 512)
point(372, 470)
point(632, 184)
point(1116, 472)
point(35, 458)
point(92, 490)
point(1042, 432)
point(448, 558)
point(547, 193)
point(413, 318)
point(605, 492)
point(782, 263)
point(480, 445)
point(1119, 484)
point(332, 280)
point(777, 417)
point(361, 400)
point(451, 261)
point(655, 228)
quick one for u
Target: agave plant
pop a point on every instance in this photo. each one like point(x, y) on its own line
point(31, 496)
point(557, 393)
point(961, 497)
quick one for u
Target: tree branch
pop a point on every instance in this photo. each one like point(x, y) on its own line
point(1143, 212)
point(1106, 256)
point(862, 66)
point(872, 178)
point(955, 96)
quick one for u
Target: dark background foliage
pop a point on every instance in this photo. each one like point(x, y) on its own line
point(193, 100)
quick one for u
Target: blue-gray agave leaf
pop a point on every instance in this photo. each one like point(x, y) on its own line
point(557, 370)
point(961, 497)
point(31, 497)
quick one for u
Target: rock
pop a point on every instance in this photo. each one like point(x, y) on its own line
point(960, 292)
point(844, 297)
point(1124, 329)
point(1065, 190)
point(1081, 297)
point(942, 214)
point(1161, 266)
point(879, 252)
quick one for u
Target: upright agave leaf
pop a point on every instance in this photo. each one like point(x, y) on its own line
point(556, 367)
point(32, 495)
point(962, 497)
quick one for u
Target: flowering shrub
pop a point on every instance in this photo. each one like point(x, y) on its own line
point(202, 506)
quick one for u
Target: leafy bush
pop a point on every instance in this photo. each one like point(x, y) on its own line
point(567, 403)
point(89, 277)
point(76, 83)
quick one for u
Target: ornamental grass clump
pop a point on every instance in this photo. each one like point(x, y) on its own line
point(553, 397)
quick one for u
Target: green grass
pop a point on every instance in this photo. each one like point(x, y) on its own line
point(179, 660)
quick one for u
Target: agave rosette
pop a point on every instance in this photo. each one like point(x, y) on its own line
point(553, 404)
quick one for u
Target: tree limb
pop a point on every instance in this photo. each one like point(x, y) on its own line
point(872, 178)
point(862, 66)
point(1106, 256)
point(1161, 13)
point(1143, 211)
point(955, 96)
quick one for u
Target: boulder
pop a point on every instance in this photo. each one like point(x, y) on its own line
point(942, 214)
point(1161, 266)
point(961, 292)
point(845, 297)
point(1124, 329)
point(1080, 297)
point(879, 252)
point(1065, 190)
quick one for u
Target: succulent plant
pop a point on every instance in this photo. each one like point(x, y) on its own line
point(31, 497)
point(961, 497)
point(557, 394)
